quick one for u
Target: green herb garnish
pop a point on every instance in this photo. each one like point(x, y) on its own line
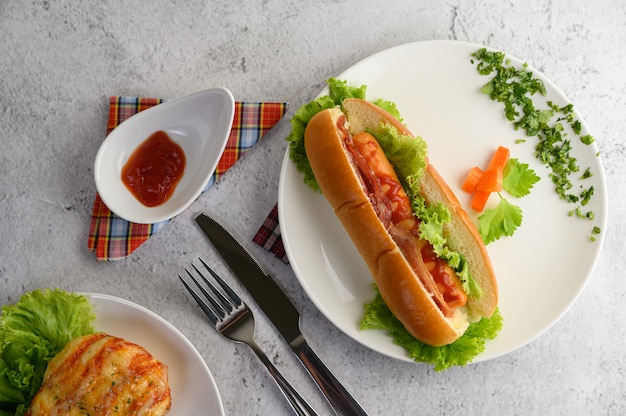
point(505, 218)
point(518, 178)
point(515, 88)
point(500, 221)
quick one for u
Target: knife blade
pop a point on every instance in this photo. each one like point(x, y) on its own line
point(279, 309)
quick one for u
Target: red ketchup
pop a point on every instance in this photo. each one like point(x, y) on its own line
point(154, 169)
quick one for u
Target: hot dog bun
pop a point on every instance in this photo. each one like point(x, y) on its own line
point(460, 232)
point(400, 284)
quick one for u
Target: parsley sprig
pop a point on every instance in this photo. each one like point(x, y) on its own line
point(519, 179)
point(506, 217)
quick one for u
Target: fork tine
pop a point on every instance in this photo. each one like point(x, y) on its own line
point(203, 305)
point(217, 307)
point(224, 303)
point(231, 293)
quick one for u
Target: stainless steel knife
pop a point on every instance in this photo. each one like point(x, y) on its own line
point(279, 309)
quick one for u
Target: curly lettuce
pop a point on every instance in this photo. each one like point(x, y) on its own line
point(408, 156)
point(338, 90)
point(32, 332)
point(461, 352)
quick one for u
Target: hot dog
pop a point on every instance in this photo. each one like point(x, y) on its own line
point(422, 288)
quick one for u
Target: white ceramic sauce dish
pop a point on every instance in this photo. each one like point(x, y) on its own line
point(199, 123)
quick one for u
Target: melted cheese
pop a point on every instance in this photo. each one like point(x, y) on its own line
point(103, 375)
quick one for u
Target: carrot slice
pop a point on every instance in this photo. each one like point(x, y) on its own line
point(479, 200)
point(490, 181)
point(473, 177)
point(483, 183)
point(499, 159)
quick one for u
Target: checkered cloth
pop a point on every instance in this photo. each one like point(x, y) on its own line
point(269, 238)
point(113, 238)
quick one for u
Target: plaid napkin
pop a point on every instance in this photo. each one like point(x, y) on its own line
point(269, 238)
point(113, 238)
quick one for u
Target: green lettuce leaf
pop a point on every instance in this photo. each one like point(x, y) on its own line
point(461, 352)
point(408, 156)
point(390, 107)
point(297, 152)
point(32, 332)
point(338, 91)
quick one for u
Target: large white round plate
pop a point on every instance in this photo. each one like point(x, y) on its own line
point(541, 270)
point(193, 388)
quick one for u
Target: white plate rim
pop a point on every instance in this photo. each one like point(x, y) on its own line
point(493, 350)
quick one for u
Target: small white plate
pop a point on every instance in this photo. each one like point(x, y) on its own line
point(193, 388)
point(200, 123)
point(541, 270)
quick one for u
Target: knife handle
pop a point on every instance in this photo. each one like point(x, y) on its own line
point(339, 398)
point(297, 402)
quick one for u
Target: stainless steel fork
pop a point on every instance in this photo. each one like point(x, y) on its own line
point(234, 320)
